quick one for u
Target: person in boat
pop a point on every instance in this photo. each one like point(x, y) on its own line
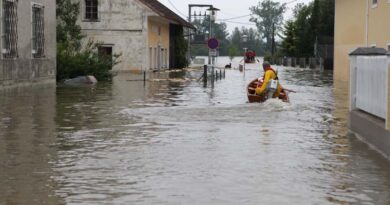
point(270, 83)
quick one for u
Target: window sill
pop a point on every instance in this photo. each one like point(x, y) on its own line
point(90, 20)
point(374, 6)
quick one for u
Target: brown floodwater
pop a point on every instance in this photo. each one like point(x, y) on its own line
point(178, 142)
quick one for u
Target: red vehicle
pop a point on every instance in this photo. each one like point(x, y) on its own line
point(250, 56)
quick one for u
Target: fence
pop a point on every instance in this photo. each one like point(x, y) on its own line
point(369, 81)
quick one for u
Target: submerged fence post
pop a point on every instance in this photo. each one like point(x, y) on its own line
point(144, 78)
point(205, 72)
point(205, 75)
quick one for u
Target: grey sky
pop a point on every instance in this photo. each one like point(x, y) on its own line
point(229, 9)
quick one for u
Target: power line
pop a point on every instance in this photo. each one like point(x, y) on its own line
point(237, 17)
point(241, 23)
point(183, 15)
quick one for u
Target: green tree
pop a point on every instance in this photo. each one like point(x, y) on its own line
point(304, 33)
point(72, 59)
point(233, 51)
point(68, 32)
point(268, 16)
point(180, 50)
point(288, 45)
point(313, 24)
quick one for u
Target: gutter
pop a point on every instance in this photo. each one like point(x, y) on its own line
point(367, 20)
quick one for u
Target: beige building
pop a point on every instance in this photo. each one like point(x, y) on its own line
point(140, 30)
point(362, 45)
point(359, 23)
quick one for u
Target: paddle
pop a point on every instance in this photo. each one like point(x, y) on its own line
point(288, 90)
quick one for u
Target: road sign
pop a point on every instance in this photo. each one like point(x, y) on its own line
point(212, 52)
point(213, 43)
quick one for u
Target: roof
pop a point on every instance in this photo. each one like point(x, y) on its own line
point(165, 12)
point(373, 51)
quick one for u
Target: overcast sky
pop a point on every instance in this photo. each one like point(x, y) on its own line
point(229, 9)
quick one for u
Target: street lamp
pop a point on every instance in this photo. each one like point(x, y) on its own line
point(213, 13)
point(213, 16)
point(244, 40)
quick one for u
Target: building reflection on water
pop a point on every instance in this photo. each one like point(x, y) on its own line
point(27, 133)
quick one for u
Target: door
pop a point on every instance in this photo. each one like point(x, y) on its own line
point(105, 52)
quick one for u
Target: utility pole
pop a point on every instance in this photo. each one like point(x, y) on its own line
point(212, 10)
point(273, 40)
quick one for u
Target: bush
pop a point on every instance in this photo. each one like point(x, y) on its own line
point(71, 64)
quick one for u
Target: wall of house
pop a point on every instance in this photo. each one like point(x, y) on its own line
point(123, 25)
point(354, 28)
point(378, 24)
point(158, 37)
point(349, 34)
point(24, 69)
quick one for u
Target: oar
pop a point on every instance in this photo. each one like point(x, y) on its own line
point(288, 90)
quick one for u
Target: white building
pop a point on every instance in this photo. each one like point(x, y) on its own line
point(140, 30)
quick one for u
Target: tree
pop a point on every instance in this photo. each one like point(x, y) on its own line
point(68, 32)
point(288, 47)
point(180, 50)
point(268, 16)
point(233, 51)
point(304, 33)
point(72, 59)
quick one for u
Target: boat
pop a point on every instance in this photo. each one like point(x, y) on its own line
point(250, 56)
point(253, 98)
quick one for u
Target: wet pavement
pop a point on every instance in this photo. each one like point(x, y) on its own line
point(178, 142)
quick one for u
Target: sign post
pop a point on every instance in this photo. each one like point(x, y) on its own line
point(213, 44)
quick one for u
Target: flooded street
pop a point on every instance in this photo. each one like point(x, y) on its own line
point(178, 142)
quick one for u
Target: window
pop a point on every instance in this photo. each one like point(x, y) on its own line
point(374, 3)
point(38, 31)
point(91, 10)
point(10, 32)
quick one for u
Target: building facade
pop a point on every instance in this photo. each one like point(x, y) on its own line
point(362, 46)
point(139, 30)
point(359, 23)
point(28, 42)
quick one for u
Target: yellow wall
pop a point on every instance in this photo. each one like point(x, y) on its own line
point(378, 26)
point(350, 30)
point(154, 38)
point(349, 34)
point(158, 35)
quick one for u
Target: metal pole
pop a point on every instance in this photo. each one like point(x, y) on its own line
point(189, 34)
point(144, 78)
point(209, 37)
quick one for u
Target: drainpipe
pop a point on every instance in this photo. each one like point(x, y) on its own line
point(367, 20)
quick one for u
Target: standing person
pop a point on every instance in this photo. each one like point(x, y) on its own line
point(271, 85)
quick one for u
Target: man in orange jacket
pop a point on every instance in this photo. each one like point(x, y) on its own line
point(270, 77)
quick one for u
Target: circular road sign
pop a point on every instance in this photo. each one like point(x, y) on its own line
point(213, 43)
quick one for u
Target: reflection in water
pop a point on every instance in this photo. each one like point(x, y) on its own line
point(27, 135)
point(173, 141)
